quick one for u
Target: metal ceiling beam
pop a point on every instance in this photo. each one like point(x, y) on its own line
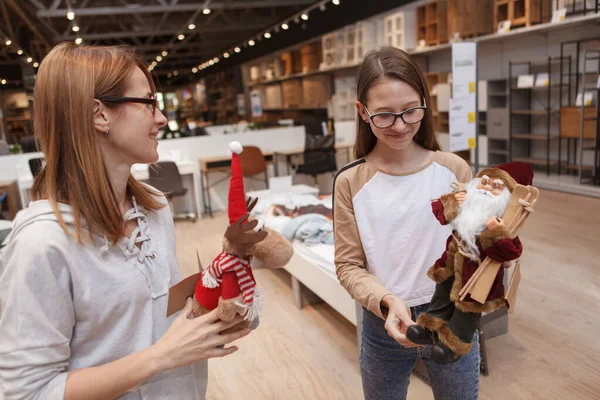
point(94, 11)
point(192, 45)
point(32, 26)
point(123, 35)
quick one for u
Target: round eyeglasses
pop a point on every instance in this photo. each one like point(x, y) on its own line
point(149, 102)
point(411, 116)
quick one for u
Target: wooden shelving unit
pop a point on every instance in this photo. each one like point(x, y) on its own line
point(522, 12)
point(525, 119)
point(470, 18)
point(440, 116)
point(432, 23)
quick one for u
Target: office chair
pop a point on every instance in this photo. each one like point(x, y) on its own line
point(28, 144)
point(165, 176)
point(319, 156)
point(252, 162)
point(35, 165)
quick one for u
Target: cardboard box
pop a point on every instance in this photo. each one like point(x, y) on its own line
point(316, 90)
point(311, 56)
point(570, 122)
point(292, 93)
point(291, 62)
point(273, 97)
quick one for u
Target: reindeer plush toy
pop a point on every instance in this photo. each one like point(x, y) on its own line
point(228, 283)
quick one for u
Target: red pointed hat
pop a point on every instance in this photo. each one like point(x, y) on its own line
point(237, 197)
point(511, 174)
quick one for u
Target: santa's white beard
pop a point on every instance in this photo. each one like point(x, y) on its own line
point(475, 210)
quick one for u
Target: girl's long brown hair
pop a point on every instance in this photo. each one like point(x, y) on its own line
point(392, 63)
point(69, 79)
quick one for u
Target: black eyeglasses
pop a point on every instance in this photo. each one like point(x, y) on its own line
point(411, 116)
point(151, 103)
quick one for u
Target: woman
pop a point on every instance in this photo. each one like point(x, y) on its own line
point(386, 236)
point(86, 270)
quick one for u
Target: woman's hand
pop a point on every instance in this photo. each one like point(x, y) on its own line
point(190, 340)
point(398, 320)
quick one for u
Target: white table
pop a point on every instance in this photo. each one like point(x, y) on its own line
point(139, 171)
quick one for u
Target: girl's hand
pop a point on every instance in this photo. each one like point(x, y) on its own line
point(190, 340)
point(398, 320)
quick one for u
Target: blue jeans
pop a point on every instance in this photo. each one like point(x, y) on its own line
point(386, 365)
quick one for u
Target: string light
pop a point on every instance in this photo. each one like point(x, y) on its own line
point(35, 65)
point(176, 73)
point(251, 42)
point(78, 40)
point(29, 59)
point(169, 75)
point(191, 27)
point(194, 70)
point(20, 52)
point(181, 37)
point(158, 58)
point(336, 2)
point(75, 28)
point(3, 81)
point(237, 49)
point(285, 26)
point(206, 11)
point(164, 53)
point(8, 42)
point(267, 35)
point(304, 17)
point(70, 15)
point(226, 55)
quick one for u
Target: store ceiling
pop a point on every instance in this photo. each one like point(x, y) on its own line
point(155, 26)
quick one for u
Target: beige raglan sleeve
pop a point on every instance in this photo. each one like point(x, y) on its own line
point(350, 260)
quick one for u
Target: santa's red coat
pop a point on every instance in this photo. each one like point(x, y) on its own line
point(495, 244)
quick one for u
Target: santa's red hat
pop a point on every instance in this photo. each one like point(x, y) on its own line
point(237, 197)
point(511, 174)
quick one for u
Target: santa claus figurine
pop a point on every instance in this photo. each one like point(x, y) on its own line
point(478, 232)
point(228, 283)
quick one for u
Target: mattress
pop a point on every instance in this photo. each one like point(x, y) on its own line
point(319, 255)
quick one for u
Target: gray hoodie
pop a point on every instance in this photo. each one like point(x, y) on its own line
point(66, 306)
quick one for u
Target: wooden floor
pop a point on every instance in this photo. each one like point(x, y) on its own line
point(552, 350)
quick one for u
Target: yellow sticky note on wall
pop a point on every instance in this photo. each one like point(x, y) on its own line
point(471, 117)
point(472, 143)
point(471, 87)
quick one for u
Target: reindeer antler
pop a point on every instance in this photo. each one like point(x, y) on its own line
point(251, 203)
point(241, 234)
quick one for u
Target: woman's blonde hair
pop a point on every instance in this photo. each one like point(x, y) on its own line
point(69, 79)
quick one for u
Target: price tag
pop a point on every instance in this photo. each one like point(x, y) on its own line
point(471, 87)
point(504, 26)
point(471, 117)
point(472, 143)
point(559, 15)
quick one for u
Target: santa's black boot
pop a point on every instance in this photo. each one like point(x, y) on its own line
point(419, 335)
point(441, 354)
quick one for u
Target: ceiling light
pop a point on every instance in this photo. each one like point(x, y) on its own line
point(336, 2)
point(75, 28)
point(70, 15)
point(169, 75)
point(78, 40)
point(176, 73)
point(20, 52)
point(158, 58)
point(285, 27)
point(164, 53)
point(29, 59)
point(8, 42)
point(206, 11)
point(267, 35)
point(194, 70)
point(216, 59)
point(211, 62)
point(191, 27)
point(251, 42)
point(304, 17)
point(181, 37)
point(237, 49)
point(35, 65)
point(226, 55)
point(3, 81)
